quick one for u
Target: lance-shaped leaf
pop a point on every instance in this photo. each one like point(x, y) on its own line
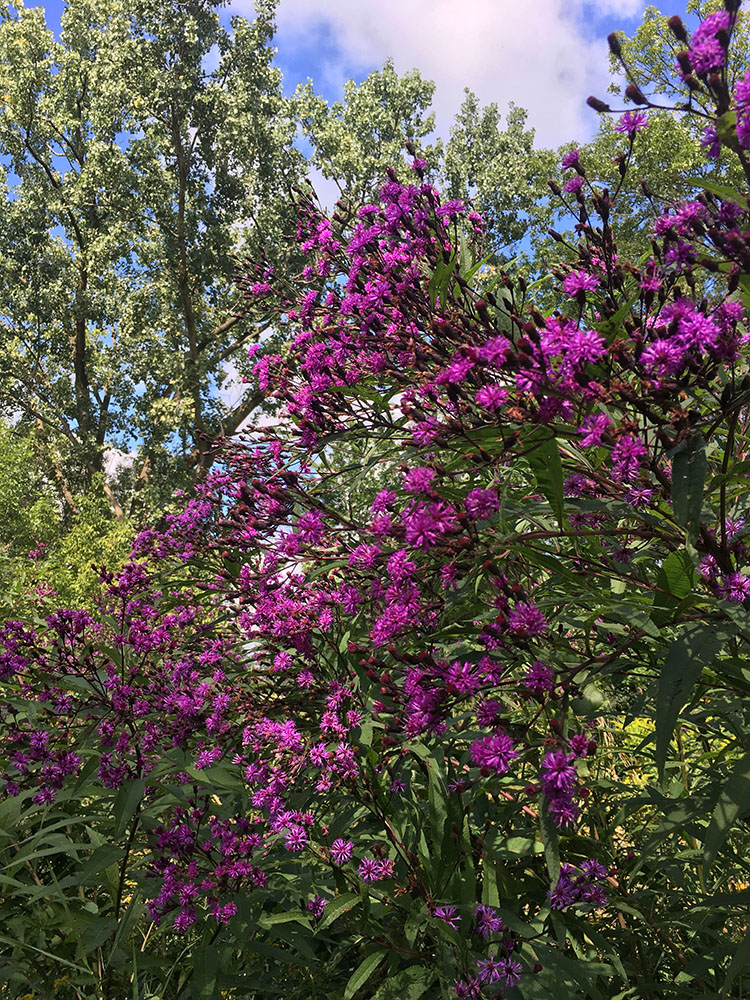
point(684, 662)
point(689, 468)
point(733, 804)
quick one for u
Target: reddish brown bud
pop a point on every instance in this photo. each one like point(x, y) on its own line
point(634, 93)
point(597, 105)
point(615, 46)
point(678, 29)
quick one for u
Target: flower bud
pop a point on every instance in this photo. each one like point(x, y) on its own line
point(615, 47)
point(634, 93)
point(597, 105)
point(683, 60)
point(678, 29)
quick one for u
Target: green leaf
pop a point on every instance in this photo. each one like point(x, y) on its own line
point(97, 932)
point(543, 455)
point(720, 190)
point(676, 574)
point(102, 858)
point(689, 468)
point(733, 804)
point(205, 962)
point(551, 842)
point(288, 916)
point(740, 963)
point(683, 665)
point(407, 985)
point(340, 905)
point(127, 801)
point(363, 972)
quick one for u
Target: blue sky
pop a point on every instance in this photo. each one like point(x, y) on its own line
point(546, 57)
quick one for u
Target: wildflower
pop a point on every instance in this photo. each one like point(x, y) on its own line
point(593, 429)
point(495, 752)
point(579, 281)
point(527, 620)
point(448, 915)
point(341, 851)
point(316, 905)
point(631, 123)
point(481, 504)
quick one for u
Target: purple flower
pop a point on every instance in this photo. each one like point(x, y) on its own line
point(571, 159)
point(558, 771)
point(495, 752)
point(448, 915)
point(573, 184)
point(487, 921)
point(419, 480)
point(316, 905)
point(593, 429)
point(579, 281)
point(510, 971)
point(663, 357)
point(481, 504)
point(627, 456)
point(426, 523)
point(527, 620)
point(538, 679)
point(372, 870)
point(296, 839)
point(369, 869)
point(632, 122)
point(735, 587)
point(490, 970)
point(491, 397)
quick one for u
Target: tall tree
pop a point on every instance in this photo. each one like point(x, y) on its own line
point(141, 149)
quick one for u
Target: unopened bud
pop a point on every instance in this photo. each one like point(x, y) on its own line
point(555, 188)
point(683, 60)
point(634, 93)
point(597, 105)
point(615, 47)
point(678, 29)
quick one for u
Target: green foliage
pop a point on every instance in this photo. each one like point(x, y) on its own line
point(29, 509)
point(132, 169)
point(355, 140)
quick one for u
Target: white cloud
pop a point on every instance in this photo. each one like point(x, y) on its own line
point(541, 56)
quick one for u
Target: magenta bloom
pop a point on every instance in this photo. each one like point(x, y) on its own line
point(491, 397)
point(296, 839)
point(448, 915)
point(419, 480)
point(341, 851)
point(632, 122)
point(570, 159)
point(593, 429)
point(316, 905)
point(526, 620)
point(495, 752)
point(558, 771)
point(481, 504)
point(735, 587)
point(490, 970)
point(369, 870)
point(573, 184)
point(579, 281)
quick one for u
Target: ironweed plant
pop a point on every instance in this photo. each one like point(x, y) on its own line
point(487, 738)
